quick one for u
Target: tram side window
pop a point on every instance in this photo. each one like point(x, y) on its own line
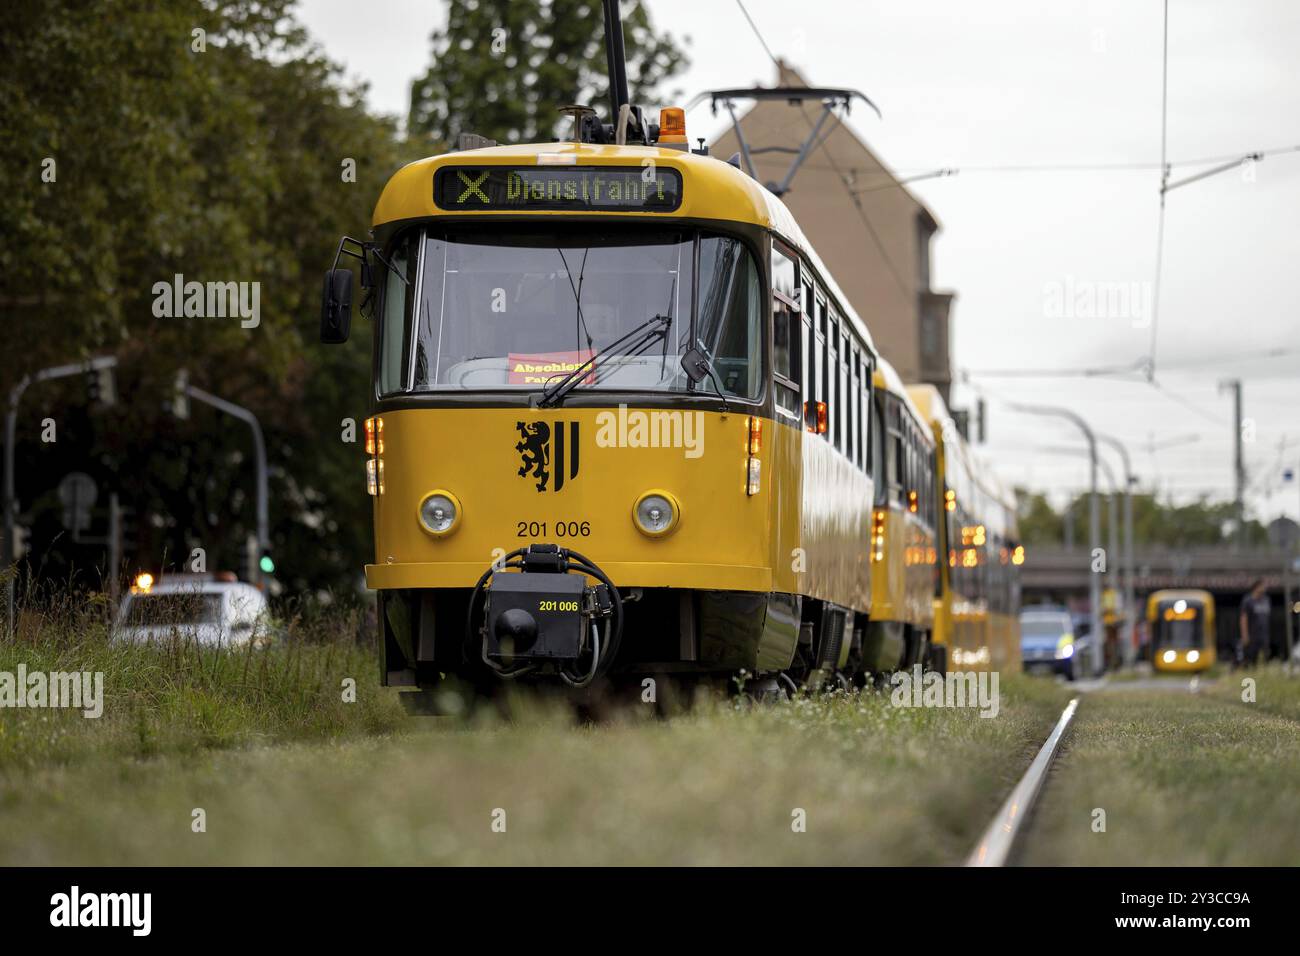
point(806, 342)
point(931, 496)
point(823, 362)
point(871, 423)
point(898, 460)
point(833, 408)
point(785, 333)
point(875, 437)
point(855, 411)
point(912, 503)
point(398, 299)
point(844, 386)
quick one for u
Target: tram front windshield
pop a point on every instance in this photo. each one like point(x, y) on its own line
point(1180, 629)
point(521, 306)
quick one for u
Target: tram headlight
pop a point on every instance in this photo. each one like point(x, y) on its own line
point(1169, 657)
point(439, 513)
point(1193, 656)
point(656, 513)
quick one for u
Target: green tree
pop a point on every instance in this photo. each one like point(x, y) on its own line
point(219, 155)
point(501, 68)
point(1200, 523)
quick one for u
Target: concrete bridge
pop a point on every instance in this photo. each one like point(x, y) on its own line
point(1221, 571)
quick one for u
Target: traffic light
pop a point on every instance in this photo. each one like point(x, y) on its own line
point(266, 565)
point(101, 387)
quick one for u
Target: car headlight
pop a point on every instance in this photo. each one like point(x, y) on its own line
point(439, 512)
point(1170, 656)
point(656, 513)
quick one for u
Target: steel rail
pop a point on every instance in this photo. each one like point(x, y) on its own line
point(995, 845)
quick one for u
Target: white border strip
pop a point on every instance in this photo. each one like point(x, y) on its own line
point(995, 844)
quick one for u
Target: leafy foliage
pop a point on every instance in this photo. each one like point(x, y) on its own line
point(501, 67)
point(209, 140)
point(1201, 523)
point(218, 161)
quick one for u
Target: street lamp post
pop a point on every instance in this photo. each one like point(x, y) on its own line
point(259, 459)
point(1094, 519)
point(102, 363)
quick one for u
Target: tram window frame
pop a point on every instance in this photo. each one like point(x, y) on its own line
point(845, 342)
point(819, 354)
point(807, 339)
point(386, 364)
point(785, 313)
point(834, 413)
point(896, 464)
point(875, 438)
point(931, 496)
point(872, 425)
point(807, 366)
point(911, 466)
point(855, 408)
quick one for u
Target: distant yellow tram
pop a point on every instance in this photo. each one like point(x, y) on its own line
point(1182, 630)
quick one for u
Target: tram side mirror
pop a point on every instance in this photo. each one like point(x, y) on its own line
point(336, 307)
point(696, 365)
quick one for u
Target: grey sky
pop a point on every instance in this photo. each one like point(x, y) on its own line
point(1027, 82)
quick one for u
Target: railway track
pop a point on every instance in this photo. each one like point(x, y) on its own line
point(994, 847)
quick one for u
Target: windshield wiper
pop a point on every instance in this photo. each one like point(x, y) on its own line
point(638, 338)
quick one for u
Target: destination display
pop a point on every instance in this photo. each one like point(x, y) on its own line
point(584, 189)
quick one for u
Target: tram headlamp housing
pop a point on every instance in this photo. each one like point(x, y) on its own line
point(656, 513)
point(439, 513)
point(1170, 656)
point(1193, 656)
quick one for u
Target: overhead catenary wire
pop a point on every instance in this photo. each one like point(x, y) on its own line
point(1099, 167)
point(845, 181)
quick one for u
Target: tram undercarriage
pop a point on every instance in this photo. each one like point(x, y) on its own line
point(546, 615)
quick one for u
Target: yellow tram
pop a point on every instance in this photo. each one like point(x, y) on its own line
point(977, 605)
point(624, 422)
point(621, 422)
point(904, 555)
point(1181, 625)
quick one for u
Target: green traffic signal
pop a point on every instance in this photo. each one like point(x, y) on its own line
point(266, 564)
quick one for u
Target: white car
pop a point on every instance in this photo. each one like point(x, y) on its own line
point(210, 612)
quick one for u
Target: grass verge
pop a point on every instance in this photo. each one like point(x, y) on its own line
point(177, 697)
point(1183, 779)
point(721, 784)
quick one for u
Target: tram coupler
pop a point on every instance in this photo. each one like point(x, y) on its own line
point(543, 610)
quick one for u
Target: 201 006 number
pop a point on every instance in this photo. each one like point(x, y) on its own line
point(562, 529)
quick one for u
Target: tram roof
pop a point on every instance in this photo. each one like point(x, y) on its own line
point(936, 413)
point(711, 190)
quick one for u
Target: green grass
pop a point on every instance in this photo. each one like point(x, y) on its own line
point(1274, 691)
point(716, 785)
point(176, 697)
point(1185, 779)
